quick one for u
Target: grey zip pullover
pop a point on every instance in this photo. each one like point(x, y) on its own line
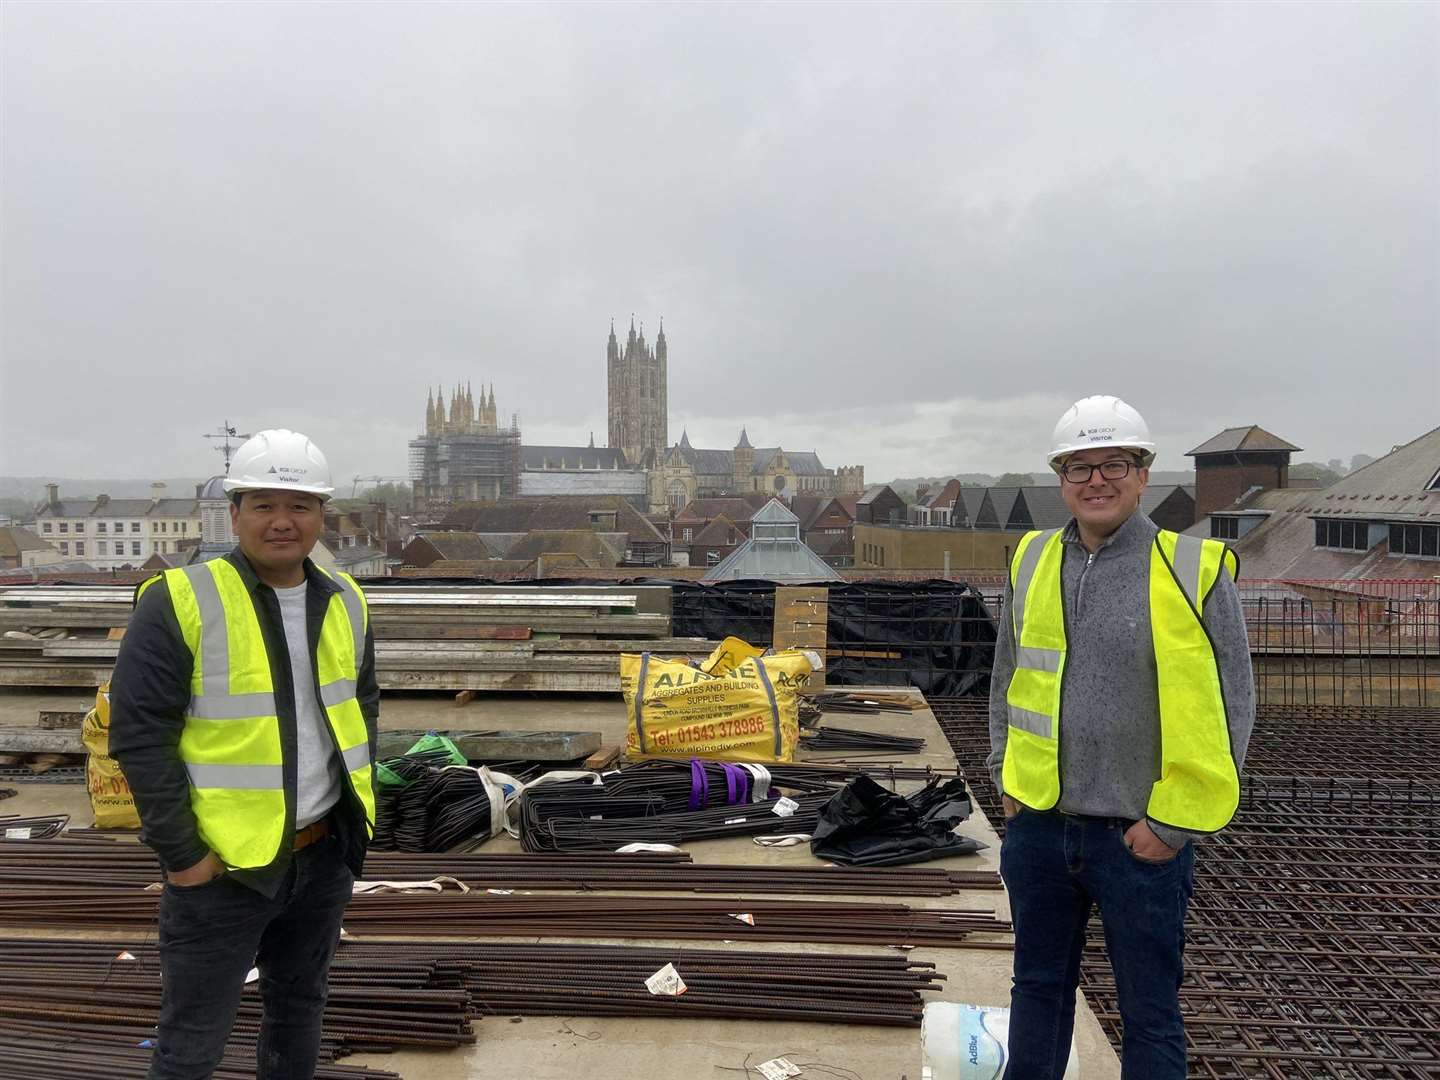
point(1110, 714)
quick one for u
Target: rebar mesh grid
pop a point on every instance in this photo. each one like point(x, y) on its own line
point(1313, 948)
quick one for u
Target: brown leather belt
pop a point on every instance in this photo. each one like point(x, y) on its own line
point(308, 835)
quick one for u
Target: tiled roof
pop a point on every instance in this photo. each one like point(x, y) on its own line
point(553, 512)
point(458, 545)
point(1234, 439)
point(719, 531)
point(772, 560)
point(596, 549)
point(697, 510)
point(14, 540)
point(1389, 489)
point(872, 493)
point(1045, 504)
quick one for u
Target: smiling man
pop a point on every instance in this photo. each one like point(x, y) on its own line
point(1121, 704)
point(244, 707)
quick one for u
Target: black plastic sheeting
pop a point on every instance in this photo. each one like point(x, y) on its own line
point(865, 825)
point(938, 634)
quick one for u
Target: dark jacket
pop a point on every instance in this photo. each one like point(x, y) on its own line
point(150, 692)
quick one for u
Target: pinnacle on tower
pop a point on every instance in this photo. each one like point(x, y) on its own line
point(744, 443)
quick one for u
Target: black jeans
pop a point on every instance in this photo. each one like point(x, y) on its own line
point(1056, 868)
point(211, 935)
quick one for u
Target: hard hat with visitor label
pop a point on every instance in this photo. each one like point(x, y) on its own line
point(282, 460)
point(1100, 421)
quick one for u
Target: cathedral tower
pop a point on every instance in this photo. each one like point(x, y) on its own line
point(637, 394)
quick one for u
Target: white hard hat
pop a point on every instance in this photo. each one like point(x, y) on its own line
point(1101, 420)
point(280, 459)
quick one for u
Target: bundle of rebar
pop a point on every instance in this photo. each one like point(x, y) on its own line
point(1313, 945)
point(591, 916)
point(105, 864)
point(54, 977)
point(828, 737)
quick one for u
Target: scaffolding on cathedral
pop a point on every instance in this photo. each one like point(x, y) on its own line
point(464, 454)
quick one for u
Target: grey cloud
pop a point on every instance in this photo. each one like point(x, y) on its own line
point(308, 213)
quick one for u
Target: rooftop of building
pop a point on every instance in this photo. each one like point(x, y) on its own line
point(1235, 439)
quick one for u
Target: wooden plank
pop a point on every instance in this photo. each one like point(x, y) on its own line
point(603, 758)
point(60, 719)
point(800, 623)
point(15, 740)
point(407, 632)
point(584, 682)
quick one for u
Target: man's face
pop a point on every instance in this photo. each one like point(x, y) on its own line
point(277, 529)
point(1100, 505)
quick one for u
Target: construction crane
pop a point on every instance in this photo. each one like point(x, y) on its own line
point(226, 433)
point(374, 479)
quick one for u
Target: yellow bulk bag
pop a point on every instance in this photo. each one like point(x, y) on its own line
point(739, 705)
point(110, 797)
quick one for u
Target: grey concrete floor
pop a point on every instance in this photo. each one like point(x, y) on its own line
point(552, 1048)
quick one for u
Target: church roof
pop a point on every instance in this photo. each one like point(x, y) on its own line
point(802, 462)
point(538, 458)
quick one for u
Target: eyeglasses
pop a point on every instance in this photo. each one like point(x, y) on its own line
point(1118, 469)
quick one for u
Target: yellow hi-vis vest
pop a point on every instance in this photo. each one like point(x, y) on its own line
point(231, 741)
point(1199, 787)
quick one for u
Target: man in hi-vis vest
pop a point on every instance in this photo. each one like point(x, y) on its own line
point(1120, 707)
point(243, 713)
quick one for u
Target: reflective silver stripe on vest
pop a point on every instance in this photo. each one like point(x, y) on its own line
point(1188, 550)
point(333, 693)
point(231, 706)
point(1023, 576)
point(214, 633)
point(357, 757)
point(1037, 659)
point(246, 777)
point(1033, 722)
point(355, 608)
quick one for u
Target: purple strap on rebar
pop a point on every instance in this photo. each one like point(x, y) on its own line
point(742, 775)
point(730, 782)
point(699, 785)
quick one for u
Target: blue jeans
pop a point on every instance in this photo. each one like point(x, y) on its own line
point(210, 937)
point(1056, 867)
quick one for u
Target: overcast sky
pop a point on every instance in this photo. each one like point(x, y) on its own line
point(904, 236)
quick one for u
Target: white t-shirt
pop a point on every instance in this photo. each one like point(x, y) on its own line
point(317, 766)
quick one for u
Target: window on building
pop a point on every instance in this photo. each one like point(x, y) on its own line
point(687, 535)
point(65, 526)
point(134, 547)
point(45, 527)
point(1422, 541)
point(79, 547)
point(79, 526)
point(1342, 535)
point(100, 527)
point(711, 558)
point(160, 526)
point(64, 547)
point(1225, 528)
point(134, 528)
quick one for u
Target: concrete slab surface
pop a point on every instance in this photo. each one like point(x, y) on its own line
point(552, 1048)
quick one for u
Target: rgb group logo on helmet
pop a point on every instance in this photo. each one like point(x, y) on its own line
point(1098, 421)
point(280, 458)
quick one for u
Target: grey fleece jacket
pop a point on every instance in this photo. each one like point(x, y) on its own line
point(1110, 716)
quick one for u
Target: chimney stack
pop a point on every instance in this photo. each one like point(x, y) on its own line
point(53, 494)
point(157, 490)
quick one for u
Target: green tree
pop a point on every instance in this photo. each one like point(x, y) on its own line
point(1314, 470)
point(1014, 479)
point(18, 509)
point(399, 498)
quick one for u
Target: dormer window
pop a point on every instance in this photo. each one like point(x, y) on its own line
point(1342, 535)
